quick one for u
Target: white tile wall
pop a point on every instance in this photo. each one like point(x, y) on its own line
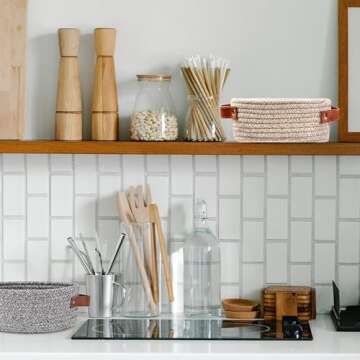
point(280, 220)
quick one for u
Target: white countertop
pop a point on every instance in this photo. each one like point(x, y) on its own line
point(327, 344)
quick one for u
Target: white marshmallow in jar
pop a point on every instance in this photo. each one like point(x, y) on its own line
point(154, 117)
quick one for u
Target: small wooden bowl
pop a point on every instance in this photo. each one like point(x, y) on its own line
point(239, 305)
point(245, 315)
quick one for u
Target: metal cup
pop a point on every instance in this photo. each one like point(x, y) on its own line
point(101, 291)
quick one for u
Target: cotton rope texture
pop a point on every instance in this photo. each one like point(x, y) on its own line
point(280, 120)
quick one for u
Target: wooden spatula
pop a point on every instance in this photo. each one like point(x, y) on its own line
point(138, 202)
point(155, 218)
point(127, 217)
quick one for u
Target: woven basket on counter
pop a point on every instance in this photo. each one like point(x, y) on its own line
point(281, 120)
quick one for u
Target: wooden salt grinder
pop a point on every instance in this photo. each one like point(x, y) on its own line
point(105, 119)
point(68, 120)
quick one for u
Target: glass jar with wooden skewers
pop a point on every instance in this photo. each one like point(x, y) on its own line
point(205, 79)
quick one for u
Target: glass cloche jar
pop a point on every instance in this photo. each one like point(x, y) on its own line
point(154, 116)
point(202, 268)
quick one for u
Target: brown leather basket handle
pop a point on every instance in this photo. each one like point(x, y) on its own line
point(80, 300)
point(228, 112)
point(330, 116)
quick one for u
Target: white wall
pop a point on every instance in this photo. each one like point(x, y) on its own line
point(276, 48)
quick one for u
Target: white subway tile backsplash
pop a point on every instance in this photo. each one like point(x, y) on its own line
point(62, 195)
point(181, 175)
point(37, 261)
point(157, 163)
point(300, 275)
point(133, 170)
point(13, 163)
point(349, 165)
point(252, 281)
point(85, 174)
point(349, 284)
point(61, 163)
point(109, 233)
point(62, 271)
point(301, 197)
point(109, 164)
point(301, 164)
point(269, 232)
point(325, 219)
point(230, 253)
point(61, 229)
point(14, 271)
point(109, 186)
point(253, 241)
point(205, 163)
point(277, 219)
point(301, 241)
point(14, 195)
point(205, 189)
point(325, 175)
point(276, 263)
point(160, 193)
point(85, 216)
point(277, 175)
point(253, 197)
point(349, 242)
point(37, 174)
point(230, 292)
point(181, 218)
point(38, 215)
point(324, 299)
point(229, 175)
point(253, 164)
point(324, 266)
point(349, 198)
point(14, 239)
point(229, 219)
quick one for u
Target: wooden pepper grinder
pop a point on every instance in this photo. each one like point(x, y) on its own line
point(68, 121)
point(105, 118)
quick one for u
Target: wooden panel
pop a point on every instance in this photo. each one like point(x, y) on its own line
point(13, 15)
point(175, 148)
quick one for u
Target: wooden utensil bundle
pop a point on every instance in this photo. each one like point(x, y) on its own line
point(137, 207)
point(205, 79)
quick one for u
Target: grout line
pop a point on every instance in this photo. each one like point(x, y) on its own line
point(312, 255)
point(26, 218)
point(337, 276)
point(73, 212)
point(241, 216)
point(2, 220)
point(289, 201)
point(265, 177)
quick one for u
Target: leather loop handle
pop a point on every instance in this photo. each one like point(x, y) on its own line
point(228, 112)
point(329, 116)
point(79, 300)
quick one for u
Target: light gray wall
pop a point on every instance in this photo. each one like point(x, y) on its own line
point(277, 48)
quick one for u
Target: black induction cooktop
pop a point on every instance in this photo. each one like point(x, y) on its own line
point(180, 329)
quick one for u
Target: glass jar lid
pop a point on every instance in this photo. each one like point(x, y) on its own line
point(154, 77)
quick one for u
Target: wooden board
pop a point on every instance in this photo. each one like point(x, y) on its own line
point(13, 21)
point(173, 148)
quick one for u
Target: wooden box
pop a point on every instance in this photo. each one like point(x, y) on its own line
point(279, 301)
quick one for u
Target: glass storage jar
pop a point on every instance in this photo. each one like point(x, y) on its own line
point(154, 117)
point(136, 259)
point(202, 269)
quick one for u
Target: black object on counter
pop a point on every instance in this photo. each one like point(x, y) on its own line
point(292, 328)
point(344, 318)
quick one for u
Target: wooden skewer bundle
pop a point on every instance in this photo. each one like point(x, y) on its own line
point(205, 79)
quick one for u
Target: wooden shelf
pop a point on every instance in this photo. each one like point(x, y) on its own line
point(175, 148)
